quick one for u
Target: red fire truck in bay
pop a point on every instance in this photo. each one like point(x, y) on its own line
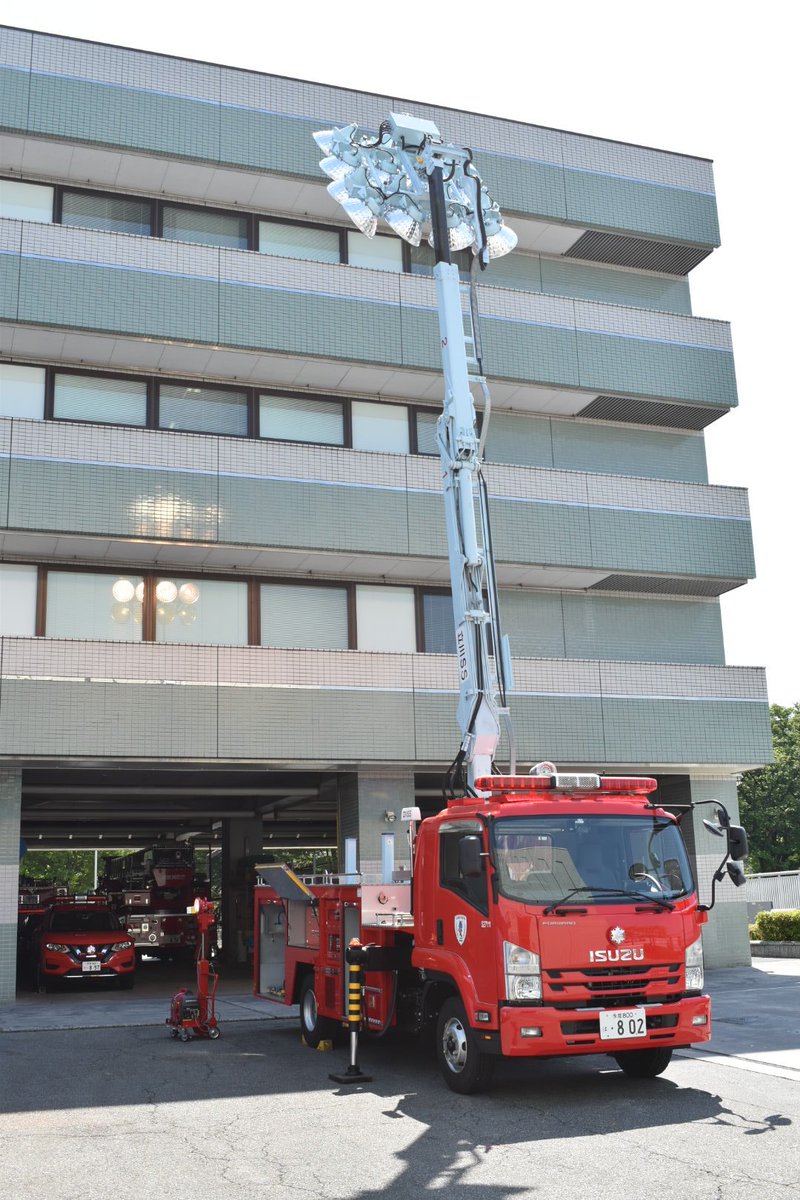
point(152, 889)
point(552, 914)
point(548, 913)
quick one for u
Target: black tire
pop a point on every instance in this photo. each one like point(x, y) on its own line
point(126, 982)
point(314, 1028)
point(464, 1067)
point(644, 1064)
point(43, 983)
point(214, 1032)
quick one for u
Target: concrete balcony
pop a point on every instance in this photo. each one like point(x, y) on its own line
point(134, 303)
point(125, 496)
point(246, 137)
point(86, 701)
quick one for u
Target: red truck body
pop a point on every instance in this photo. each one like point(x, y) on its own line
point(524, 953)
point(152, 889)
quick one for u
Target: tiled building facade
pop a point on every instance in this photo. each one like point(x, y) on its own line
point(221, 530)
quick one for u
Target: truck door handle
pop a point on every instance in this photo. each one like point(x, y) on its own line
point(440, 933)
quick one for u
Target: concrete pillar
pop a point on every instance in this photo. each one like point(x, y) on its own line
point(242, 840)
point(370, 803)
point(725, 939)
point(10, 808)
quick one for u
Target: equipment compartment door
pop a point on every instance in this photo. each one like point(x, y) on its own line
point(272, 950)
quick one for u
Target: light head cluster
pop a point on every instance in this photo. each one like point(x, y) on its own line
point(385, 176)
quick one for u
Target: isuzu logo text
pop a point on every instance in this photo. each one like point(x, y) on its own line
point(462, 654)
point(634, 954)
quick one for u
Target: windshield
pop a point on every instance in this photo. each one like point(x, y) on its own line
point(540, 860)
point(83, 920)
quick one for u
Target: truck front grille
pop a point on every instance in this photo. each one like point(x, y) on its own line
point(612, 987)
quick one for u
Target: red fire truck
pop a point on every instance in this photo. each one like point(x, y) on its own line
point(548, 913)
point(152, 889)
point(556, 914)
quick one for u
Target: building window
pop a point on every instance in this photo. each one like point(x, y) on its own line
point(26, 201)
point(299, 241)
point(201, 610)
point(437, 623)
point(17, 600)
point(103, 607)
point(113, 214)
point(301, 419)
point(425, 428)
point(21, 391)
point(385, 618)
point(93, 398)
point(380, 427)
point(298, 616)
point(379, 253)
point(205, 226)
point(422, 260)
point(202, 409)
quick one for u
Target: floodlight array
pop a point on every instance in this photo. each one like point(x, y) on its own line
point(385, 176)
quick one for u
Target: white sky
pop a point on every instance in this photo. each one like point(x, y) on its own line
point(700, 77)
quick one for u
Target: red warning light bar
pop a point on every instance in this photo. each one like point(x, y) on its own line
point(627, 783)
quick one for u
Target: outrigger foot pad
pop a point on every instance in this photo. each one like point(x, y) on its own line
point(351, 1075)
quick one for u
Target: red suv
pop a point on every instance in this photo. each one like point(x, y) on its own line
point(81, 938)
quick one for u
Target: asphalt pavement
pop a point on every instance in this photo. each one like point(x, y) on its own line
point(93, 1110)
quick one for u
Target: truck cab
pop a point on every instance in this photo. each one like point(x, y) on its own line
point(557, 919)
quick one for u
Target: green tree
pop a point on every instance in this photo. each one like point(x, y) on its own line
point(769, 799)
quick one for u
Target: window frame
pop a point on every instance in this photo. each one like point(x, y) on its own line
point(340, 230)
point(58, 207)
point(50, 396)
point(151, 575)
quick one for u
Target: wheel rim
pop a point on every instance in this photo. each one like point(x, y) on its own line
point(309, 1010)
point(454, 1045)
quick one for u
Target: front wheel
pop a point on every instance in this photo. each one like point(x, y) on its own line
point(464, 1067)
point(643, 1064)
point(314, 1028)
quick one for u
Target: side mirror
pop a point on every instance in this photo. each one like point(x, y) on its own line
point(470, 862)
point(737, 842)
point(736, 872)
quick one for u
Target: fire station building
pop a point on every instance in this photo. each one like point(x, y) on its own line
point(224, 590)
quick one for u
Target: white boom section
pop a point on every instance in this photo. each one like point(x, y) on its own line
point(472, 576)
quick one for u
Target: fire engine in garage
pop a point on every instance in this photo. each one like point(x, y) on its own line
point(548, 913)
point(152, 890)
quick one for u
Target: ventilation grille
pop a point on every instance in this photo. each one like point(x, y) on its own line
point(647, 412)
point(666, 585)
point(623, 251)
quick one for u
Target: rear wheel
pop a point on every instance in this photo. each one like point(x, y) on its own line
point(464, 1067)
point(314, 1028)
point(644, 1064)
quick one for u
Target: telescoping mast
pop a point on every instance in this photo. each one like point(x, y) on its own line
point(406, 175)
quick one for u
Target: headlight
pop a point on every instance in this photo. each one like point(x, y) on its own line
point(122, 946)
point(57, 947)
point(694, 966)
point(523, 973)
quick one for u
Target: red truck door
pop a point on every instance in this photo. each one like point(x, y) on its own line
point(464, 920)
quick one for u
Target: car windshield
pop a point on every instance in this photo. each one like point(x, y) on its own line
point(540, 860)
point(83, 920)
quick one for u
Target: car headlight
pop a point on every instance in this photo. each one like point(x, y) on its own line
point(122, 946)
point(694, 966)
point(523, 973)
point(57, 947)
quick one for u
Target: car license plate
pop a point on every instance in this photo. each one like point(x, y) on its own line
point(623, 1023)
point(91, 966)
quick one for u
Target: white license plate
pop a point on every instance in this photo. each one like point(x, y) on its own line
point(91, 966)
point(623, 1023)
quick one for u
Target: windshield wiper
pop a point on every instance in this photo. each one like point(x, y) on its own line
point(604, 891)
